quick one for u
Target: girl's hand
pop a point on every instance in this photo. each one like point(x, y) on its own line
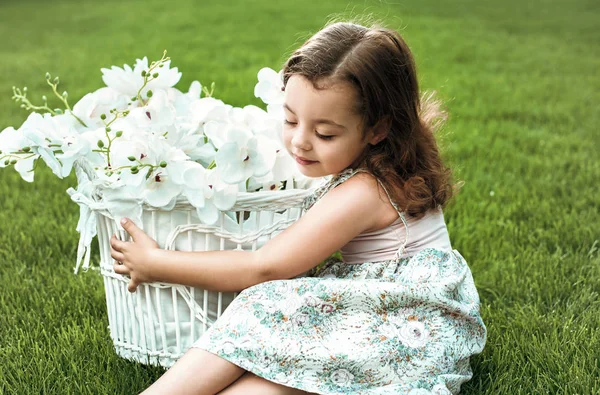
point(133, 258)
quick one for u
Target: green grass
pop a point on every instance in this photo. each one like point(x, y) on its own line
point(519, 78)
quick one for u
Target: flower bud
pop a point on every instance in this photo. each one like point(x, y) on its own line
point(109, 173)
point(100, 143)
point(131, 158)
point(134, 98)
point(58, 111)
point(163, 164)
point(103, 117)
point(44, 98)
point(149, 94)
point(24, 89)
point(6, 162)
point(12, 162)
point(134, 168)
point(155, 75)
point(24, 149)
point(144, 73)
point(65, 95)
point(136, 171)
point(107, 129)
point(48, 76)
point(161, 65)
point(149, 173)
point(119, 133)
point(56, 80)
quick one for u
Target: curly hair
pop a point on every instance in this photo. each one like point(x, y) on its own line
point(379, 64)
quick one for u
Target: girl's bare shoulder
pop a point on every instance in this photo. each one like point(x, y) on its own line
point(371, 197)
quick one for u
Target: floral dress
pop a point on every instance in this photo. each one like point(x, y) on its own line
point(400, 326)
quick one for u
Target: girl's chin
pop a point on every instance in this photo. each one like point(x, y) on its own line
point(310, 171)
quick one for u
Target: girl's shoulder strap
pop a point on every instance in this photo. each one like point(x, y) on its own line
point(345, 175)
point(333, 182)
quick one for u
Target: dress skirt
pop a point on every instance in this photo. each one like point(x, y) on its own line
point(405, 326)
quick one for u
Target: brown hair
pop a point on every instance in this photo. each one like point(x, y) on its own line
point(380, 65)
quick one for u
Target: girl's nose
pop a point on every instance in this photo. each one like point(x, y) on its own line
point(301, 140)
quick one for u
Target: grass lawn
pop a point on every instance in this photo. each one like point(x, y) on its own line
point(519, 78)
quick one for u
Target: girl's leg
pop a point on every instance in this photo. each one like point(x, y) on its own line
point(249, 384)
point(196, 372)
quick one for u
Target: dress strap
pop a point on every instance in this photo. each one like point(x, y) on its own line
point(333, 182)
point(340, 178)
point(400, 251)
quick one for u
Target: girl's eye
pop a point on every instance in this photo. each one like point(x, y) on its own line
point(285, 121)
point(324, 137)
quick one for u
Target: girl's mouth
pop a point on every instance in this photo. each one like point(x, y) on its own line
point(304, 162)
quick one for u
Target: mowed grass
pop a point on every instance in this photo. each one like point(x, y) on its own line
point(519, 79)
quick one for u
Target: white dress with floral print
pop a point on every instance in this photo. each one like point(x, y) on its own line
point(401, 326)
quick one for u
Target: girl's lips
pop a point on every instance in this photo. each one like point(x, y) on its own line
point(303, 161)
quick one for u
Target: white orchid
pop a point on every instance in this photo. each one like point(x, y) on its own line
point(93, 105)
point(160, 189)
point(240, 154)
point(208, 109)
point(270, 86)
point(218, 195)
point(15, 149)
point(129, 80)
point(148, 142)
point(50, 136)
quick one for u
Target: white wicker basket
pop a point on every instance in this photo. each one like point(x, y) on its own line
point(159, 322)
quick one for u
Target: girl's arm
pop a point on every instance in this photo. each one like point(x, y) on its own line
point(344, 212)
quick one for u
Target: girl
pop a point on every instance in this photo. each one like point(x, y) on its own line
point(400, 312)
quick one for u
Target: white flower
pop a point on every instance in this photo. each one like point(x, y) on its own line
point(93, 105)
point(160, 189)
point(281, 377)
point(191, 176)
point(12, 142)
point(208, 109)
point(388, 330)
point(228, 347)
point(415, 272)
point(186, 138)
point(48, 134)
point(240, 154)
point(270, 90)
point(218, 195)
point(292, 304)
point(129, 81)
point(341, 377)
point(413, 334)
point(270, 86)
point(158, 116)
point(300, 319)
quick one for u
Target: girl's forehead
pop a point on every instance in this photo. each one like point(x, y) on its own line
point(330, 97)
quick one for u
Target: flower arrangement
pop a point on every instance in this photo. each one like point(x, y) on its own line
point(139, 140)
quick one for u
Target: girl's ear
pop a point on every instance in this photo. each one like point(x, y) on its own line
point(380, 131)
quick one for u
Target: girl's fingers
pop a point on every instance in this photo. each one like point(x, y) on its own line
point(120, 269)
point(116, 243)
point(131, 287)
point(116, 255)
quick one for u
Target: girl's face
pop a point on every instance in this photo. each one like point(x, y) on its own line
point(321, 130)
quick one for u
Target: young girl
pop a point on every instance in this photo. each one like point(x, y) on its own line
point(400, 313)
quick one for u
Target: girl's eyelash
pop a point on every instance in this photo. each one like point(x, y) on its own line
point(321, 136)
